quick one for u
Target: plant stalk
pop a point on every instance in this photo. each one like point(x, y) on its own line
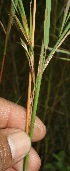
point(39, 78)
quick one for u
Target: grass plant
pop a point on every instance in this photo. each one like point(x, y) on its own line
point(43, 62)
point(27, 40)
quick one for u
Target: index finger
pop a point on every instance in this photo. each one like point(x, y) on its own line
point(14, 116)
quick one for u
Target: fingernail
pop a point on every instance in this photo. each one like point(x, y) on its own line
point(19, 144)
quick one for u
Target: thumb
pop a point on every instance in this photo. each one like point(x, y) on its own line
point(14, 145)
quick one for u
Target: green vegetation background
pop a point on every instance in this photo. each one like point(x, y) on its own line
point(54, 100)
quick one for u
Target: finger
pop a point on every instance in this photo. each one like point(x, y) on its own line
point(34, 162)
point(39, 130)
point(11, 115)
point(10, 169)
point(14, 145)
point(18, 166)
point(14, 116)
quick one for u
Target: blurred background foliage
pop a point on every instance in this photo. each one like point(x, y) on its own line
point(54, 99)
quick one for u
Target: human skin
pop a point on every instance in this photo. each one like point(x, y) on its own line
point(12, 127)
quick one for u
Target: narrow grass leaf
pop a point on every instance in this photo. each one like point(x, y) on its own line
point(15, 2)
point(24, 45)
point(60, 51)
point(21, 11)
point(47, 23)
point(65, 15)
point(23, 17)
point(41, 60)
point(59, 42)
point(28, 54)
point(21, 28)
point(67, 18)
point(10, 21)
point(65, 59)
point(22, 7)
point(3, 27)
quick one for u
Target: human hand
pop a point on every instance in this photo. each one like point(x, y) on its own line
point(14, 142)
